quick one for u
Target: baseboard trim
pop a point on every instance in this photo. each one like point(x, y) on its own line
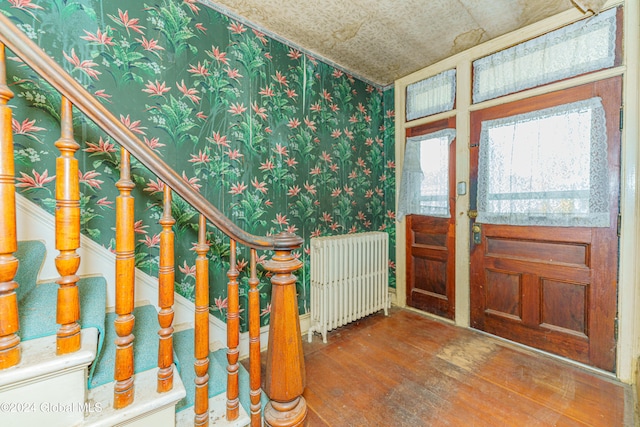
point(305, 323)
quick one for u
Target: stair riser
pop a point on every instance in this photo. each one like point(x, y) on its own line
point(149, 408)
point(217, 411)
point(52, 401)
point(162, 418)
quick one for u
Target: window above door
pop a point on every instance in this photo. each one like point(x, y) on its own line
point(588, 45)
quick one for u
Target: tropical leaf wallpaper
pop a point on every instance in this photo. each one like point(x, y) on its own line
point(273, 137)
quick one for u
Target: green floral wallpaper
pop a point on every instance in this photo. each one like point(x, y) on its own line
point(273, 137)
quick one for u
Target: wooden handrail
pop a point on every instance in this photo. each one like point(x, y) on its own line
point(41, 63)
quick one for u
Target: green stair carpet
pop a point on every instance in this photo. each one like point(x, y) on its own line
point(37, 302)
point(243, 379)
point(31, 256)
point(183, 343)
point(37, 305)
point(145, 346)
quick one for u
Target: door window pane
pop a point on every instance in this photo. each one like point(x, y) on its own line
point(547, 167)
point(424, 189)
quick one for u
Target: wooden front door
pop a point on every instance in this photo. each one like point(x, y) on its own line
point(430, 245)
point(549, 287)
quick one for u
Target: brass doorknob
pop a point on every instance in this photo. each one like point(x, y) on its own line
point(476, 234)
point(472, 213)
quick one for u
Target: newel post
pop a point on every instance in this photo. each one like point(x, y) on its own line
point(285, 374)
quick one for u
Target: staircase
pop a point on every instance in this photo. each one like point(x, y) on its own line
point(38, 326)
point(66, 359)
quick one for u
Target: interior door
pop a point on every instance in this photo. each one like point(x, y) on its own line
point(431, 245)
point(552, 288)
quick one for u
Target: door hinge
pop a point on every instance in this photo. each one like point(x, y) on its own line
point(619, 226)
point(621, 117)
point(615, 328)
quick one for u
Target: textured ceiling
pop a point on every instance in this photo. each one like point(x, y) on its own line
point(383, 40)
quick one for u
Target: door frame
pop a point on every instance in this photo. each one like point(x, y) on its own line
point(431, 302)
point(595, 346)
point(600, 333)
point(629, 279)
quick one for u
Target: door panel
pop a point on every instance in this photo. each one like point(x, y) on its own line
point(553, 288)
point(430, 265)
point(431, 246)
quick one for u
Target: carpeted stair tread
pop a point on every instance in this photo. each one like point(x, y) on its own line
point(183, 344)
point(243, 380)
point(31, 255)
point(145, 346)
point(38, 309)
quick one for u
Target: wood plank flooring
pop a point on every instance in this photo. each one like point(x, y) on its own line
point(410, 370)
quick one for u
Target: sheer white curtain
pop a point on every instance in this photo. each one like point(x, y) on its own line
point(585, 46)
point(424, 186)
point(548, 167)
point(432, 95)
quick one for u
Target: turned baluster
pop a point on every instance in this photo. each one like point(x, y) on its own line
point(201, 365)
point(123, 389)
point(9, 323)
point(166, 276)
point(254, 343)
point(285, 374)
point(67, 235)
point(233, 335)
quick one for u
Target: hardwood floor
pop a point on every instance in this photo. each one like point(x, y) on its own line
point(410, 370)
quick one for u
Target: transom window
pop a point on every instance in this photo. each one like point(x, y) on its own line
point(432, 95)
point(585, 46)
